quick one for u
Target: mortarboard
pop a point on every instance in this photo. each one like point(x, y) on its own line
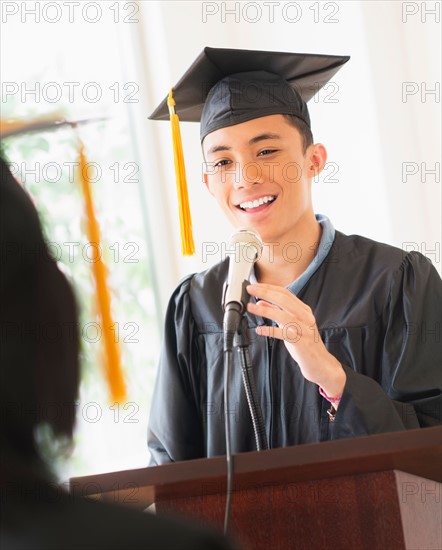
point(14, 127)
point(224, 87)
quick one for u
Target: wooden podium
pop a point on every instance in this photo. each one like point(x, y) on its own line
point(378, 492)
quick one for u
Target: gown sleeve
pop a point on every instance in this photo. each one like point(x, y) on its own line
point(407, 393)
point(175, 425)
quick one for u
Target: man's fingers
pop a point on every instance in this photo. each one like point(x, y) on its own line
point(291, 332)
point(278, 296)
point(280, 316)
point(269, 311)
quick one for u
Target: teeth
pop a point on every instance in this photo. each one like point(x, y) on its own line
point(258, 202)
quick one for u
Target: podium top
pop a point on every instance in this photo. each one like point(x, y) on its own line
point(417, 452)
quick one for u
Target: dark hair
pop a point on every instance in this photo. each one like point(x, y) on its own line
point(303, 129)
point(39, 365)
point(300, 125)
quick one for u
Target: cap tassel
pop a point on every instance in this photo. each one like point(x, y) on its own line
point(114, 371)
point(187, 244)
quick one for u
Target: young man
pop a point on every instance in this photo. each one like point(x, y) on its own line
point(340, 346)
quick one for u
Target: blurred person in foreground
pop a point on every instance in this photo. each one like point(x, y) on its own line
point(39, 379)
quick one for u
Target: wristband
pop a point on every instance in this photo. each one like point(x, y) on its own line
point(330, 399)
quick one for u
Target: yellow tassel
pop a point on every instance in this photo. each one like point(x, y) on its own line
point(113, 371)
point(187, 244)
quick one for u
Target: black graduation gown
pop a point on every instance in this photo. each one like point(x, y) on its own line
point(378, 310)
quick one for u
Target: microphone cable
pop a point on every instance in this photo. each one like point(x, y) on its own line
point(229, 459)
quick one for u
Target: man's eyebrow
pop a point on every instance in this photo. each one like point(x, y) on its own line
point(217, 148)
point(256, 139)
point(263, 137)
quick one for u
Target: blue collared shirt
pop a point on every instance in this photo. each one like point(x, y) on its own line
point(327, 238)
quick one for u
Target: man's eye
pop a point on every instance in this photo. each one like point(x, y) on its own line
point(267, 152)
point(221, 163)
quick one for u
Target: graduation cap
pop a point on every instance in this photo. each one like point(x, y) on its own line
point(224, 87)
point(16, 127)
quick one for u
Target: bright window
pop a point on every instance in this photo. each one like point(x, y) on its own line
point(75, 70)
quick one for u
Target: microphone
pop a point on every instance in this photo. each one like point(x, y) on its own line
point(245, 247)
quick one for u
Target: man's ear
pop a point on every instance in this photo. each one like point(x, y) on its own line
point(316, 158)
point(206, 182)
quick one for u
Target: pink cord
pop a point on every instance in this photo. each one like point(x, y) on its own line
point(330, 399)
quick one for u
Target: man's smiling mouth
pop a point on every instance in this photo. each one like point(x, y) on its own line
point(251, 205)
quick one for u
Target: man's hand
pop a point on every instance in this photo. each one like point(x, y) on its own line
point(297, 328)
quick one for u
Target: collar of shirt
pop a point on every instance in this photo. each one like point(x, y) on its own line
point(327, 238)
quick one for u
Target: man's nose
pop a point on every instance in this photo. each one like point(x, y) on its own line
point(247, 174)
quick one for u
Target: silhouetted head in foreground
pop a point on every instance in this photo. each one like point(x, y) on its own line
point(39, 365)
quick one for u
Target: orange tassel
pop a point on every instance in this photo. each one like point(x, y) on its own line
point(113, 364)
point(187, 244)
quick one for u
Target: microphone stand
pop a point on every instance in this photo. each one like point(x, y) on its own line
point(234, 300)
point(241, 342)
point(236, 335)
